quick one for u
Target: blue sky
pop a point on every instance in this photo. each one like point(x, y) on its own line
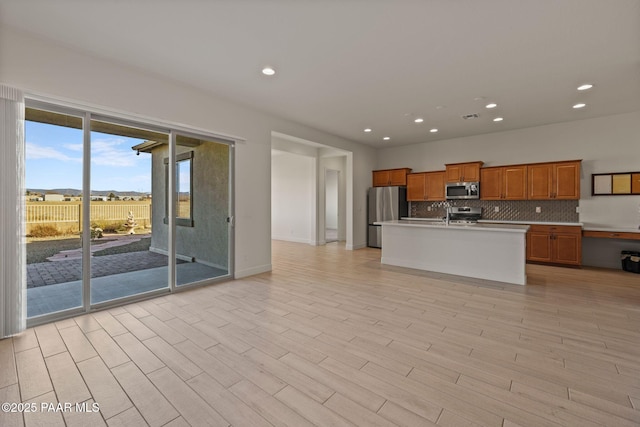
point(54, 160)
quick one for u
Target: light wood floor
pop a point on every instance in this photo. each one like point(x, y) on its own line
point(333, 338)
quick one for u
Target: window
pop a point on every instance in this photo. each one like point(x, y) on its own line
point(184, 189)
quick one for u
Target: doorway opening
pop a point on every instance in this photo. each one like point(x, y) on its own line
point(299, 173)
point(331, 202)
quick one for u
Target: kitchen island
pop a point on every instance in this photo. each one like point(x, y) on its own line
point(485, 251)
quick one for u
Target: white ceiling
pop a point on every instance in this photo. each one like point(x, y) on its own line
point(343, 65)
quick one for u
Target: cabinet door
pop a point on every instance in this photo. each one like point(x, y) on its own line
point(539, 246)
point(398, 177)
point(567, 249)
point(380, 178)
point(435, 186)
point(491, 183)
point(471, 172)
point(514, 183)
point(566, 181)
point(635, 183)
point(540, 178)
point(416, 189)
point(454, 173)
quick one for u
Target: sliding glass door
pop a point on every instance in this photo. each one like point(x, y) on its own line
point(202, 213)
point(53, 211)
point(123, 262)
point(137, 210)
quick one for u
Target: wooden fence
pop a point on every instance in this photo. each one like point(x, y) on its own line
point(67, 216)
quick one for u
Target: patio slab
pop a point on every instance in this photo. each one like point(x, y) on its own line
point(51, 273)
point(63, 296)
point(111, 240)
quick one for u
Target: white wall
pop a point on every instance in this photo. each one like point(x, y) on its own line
point(339, 164)
point(605, 144)
point(331, 198)
point(293, 195)
point(40, 67)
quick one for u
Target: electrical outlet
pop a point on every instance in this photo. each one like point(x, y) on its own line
point(577, 209)
point(429, 208)
point(538, 210)
point(496, 209)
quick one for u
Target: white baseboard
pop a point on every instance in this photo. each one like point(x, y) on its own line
point(355, 247)
point(252, 271)
point(294, 240)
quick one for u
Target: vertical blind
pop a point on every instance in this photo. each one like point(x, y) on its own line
point(12, 225)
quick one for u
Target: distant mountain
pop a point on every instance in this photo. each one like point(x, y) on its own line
point(75, 192)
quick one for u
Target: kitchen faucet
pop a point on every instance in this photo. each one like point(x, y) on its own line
point(447, 206)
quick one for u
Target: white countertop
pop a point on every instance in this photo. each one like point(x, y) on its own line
point(607, 228)
point(492, 221)
point(585, 226)
point(434, 223)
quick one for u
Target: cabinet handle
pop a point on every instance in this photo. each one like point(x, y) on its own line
point(614, 234)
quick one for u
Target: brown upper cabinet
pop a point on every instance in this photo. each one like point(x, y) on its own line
point(635, 183)
point(463, 172)
point(425, 186)
point(390, 177)
point(555, 181)
point(503, 183)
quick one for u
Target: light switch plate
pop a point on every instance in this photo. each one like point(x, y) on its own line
point(496, 209)
point(538, 210)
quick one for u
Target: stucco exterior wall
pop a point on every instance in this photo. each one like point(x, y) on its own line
point(208, 240)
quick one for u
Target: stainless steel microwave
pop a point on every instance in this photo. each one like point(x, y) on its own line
point(462, 190)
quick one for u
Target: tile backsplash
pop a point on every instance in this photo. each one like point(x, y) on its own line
point(516, 210)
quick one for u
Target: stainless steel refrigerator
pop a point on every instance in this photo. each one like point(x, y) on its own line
point(385, 203)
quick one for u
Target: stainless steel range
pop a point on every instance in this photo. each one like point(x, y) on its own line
point(463, 215)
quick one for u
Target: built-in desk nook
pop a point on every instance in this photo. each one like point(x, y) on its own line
point(602, 245)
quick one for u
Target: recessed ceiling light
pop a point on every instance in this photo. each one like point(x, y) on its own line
point(434, 130)
point(268, 71)
point(498, 119)
point(579, 105)
point(585, 86)
point(491, 105)
point(440, 107)
point(367, 130)
point(386, 138)
point(419, 120)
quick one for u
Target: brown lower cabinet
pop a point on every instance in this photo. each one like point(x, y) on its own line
point(555, 244)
